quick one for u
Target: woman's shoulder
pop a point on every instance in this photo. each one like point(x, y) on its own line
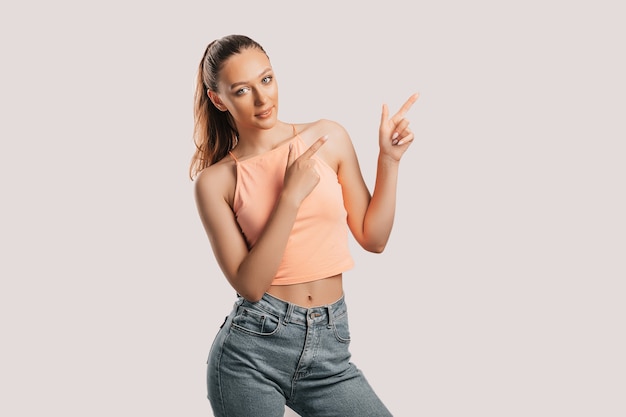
point(219, 177)
point(320, 124)
point(337, 149)
point(312, 131)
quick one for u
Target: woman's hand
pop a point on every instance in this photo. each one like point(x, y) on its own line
point(301, 177)
point(394, 135)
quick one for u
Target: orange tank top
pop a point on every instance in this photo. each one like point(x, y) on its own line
point(318, 244)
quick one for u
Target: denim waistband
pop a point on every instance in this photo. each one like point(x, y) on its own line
point(293, 313)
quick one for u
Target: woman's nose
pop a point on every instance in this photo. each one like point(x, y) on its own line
point(259, 97)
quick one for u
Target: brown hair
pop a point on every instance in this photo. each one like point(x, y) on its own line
point(214, 132)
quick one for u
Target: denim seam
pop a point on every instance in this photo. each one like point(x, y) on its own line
point(219, 372)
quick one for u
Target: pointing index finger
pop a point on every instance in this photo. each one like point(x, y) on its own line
point(314, 147)
point(405, 107)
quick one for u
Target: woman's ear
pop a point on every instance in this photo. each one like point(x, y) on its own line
point(215, 99)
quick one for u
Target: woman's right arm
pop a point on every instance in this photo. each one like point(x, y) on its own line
point(250, 272)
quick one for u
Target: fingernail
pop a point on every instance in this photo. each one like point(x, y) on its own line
point(400, 143)
point(325, 137)
point(394, 142)
point(395, 135)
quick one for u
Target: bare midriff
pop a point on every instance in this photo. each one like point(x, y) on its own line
point(310, 294)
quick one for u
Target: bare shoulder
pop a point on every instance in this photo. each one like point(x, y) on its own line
point(217, 180)
point(310, 132)
point(339, 145)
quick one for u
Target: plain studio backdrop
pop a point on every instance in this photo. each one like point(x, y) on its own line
point(501, 292)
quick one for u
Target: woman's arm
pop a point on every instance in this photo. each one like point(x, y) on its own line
point(370, 216)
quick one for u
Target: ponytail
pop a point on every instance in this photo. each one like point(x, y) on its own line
point(214, 132)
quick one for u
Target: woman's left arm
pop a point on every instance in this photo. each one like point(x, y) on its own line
point(371, 216)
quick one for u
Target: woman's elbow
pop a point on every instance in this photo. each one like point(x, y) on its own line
point(251, 293)
point(373, 241)
point(374, 247)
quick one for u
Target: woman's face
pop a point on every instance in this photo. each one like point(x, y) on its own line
point(248, 90)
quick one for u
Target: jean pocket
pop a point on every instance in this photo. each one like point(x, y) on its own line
point(255, 322)
point(342, 329)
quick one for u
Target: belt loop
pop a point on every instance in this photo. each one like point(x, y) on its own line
point(287, 317)
point(330, 317)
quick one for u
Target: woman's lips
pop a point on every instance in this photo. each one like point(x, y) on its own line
point(265, 113)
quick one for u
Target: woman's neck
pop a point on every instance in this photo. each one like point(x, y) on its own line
point(256, 141)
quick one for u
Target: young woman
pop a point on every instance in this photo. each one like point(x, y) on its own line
point(276, 200)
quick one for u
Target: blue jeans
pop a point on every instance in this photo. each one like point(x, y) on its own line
point(273, 353)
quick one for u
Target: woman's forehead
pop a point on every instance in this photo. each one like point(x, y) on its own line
point(247, 65)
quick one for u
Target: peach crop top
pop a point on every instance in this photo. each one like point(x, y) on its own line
point(318, 244)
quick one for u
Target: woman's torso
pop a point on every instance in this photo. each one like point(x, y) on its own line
point(306, 294)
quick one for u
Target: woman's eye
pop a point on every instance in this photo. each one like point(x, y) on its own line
point(267, 80)
point(241, 91)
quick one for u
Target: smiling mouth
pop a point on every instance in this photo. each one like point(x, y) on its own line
point(265, 113)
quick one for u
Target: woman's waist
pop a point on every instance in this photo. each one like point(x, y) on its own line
point(310, 294)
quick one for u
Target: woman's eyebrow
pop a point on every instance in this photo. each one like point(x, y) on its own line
point(265, 71)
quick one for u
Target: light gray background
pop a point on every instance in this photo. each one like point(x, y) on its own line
point(501, 292)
